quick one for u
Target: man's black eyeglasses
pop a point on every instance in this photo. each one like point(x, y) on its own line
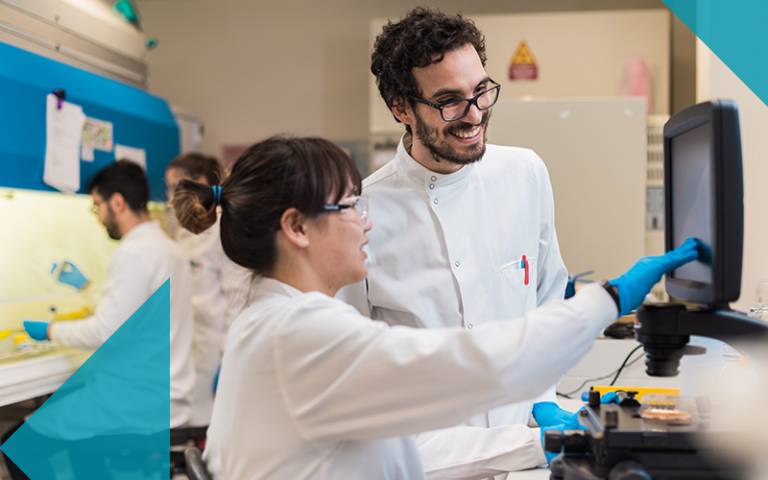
point(453, 110)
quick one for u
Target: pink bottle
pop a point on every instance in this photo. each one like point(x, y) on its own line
point(637, 81)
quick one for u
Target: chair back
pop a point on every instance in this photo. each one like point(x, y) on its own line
point(196, 469)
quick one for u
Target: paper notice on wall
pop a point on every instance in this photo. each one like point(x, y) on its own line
point(86, 153)
point(64, 126)
point(138, 155)
point(97, 135)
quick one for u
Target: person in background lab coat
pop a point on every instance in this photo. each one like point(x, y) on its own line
point(465, 231)
point(143, 261)
point(219, 286)
point(310, 388)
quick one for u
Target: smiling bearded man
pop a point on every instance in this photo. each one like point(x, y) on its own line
point(465, 231)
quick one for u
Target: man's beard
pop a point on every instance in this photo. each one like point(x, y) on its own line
point(429, 137)
point(111, 225)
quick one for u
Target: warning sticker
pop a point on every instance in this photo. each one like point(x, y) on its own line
point(522, 65)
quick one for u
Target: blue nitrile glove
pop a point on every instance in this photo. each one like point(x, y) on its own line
point(636, 282)
point(36, 329)
point(215, 384)
point(570, 287)
point(70, 275)
point(551, 455)
point(610, 397)
point(548, 414)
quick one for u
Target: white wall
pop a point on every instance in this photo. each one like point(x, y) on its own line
point(251, 69)
point(715, 80)
point(579, 54)
point(595, 151)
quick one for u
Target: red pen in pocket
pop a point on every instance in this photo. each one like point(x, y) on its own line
point(524, 264)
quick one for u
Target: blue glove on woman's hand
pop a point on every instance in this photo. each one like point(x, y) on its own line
point(36, 329)
point(548, 414)
point(70, 275)
point(635, 284)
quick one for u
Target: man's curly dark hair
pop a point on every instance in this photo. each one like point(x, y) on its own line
point(419, 39)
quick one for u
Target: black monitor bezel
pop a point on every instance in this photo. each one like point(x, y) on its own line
point(727, 208)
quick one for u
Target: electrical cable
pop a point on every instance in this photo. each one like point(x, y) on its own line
point(624, 364)
point(615, 373)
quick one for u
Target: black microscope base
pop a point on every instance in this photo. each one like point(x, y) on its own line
point(581, 468)
point(617, 443)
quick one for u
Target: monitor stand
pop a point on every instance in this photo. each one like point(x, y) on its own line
point(665, 329)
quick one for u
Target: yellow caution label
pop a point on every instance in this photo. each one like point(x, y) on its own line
point(523, 54)
point(522, 65)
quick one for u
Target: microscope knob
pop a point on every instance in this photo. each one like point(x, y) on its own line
point(594, 398)
point(553, 441)
point(575, 441)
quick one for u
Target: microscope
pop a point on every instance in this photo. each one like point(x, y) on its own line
point(703, 188)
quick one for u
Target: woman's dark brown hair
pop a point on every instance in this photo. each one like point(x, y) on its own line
point(269, 178)
point(195, 164)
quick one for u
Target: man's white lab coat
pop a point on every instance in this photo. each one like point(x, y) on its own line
point(311, 389)
point(143, 261)
point(460, 250)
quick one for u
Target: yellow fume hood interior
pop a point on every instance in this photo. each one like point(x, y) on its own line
point(38, 229)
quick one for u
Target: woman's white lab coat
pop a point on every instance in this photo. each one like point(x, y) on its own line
point(312, 389)
point(219, 293)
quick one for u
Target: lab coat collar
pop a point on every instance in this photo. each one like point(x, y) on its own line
point(140, 230)
point(270, 286)
point(424, 176)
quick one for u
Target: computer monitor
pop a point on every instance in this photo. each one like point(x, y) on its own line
point(703, 189)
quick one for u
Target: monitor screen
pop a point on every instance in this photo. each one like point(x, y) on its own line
point(692, 197)
point(703, 196)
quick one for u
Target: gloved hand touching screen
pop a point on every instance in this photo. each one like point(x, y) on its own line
point(636, 282)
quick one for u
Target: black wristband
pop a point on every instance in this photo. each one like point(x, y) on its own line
point(614, 293)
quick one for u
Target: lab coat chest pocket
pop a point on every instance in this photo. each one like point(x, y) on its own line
point(519, 280)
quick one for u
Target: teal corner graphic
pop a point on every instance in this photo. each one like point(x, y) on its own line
point(111, 418)
point(736, 32)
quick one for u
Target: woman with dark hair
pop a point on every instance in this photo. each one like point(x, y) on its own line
point(219, 286)
point(309, 388)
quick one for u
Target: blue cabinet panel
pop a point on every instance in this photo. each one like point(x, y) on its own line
point(139, 119)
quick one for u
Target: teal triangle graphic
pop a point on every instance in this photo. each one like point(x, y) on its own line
point(111, 418)
point(736, 32)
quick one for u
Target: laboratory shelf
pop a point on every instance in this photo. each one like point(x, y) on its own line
point(37, 374)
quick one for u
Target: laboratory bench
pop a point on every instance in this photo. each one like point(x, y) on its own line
point(599, 366)
point(37, 373)
point(533, 474)
point(40, 373)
